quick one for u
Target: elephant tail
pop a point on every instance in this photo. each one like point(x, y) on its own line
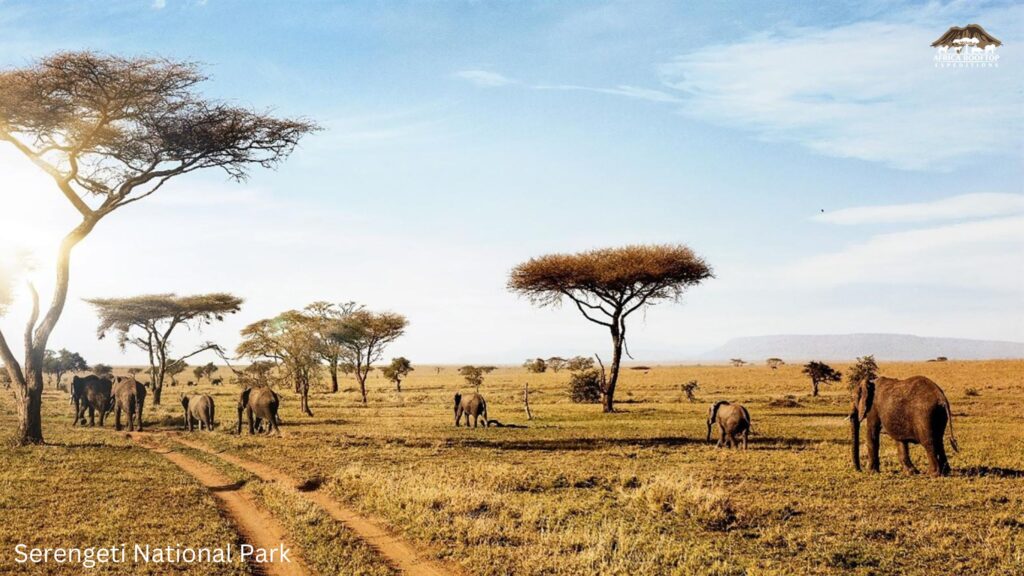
point(952, 437)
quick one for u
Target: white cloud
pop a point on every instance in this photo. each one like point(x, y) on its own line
point(634, 92)
point(159, 4)
point(866, 90)
point(484, 78)
point(978, 254)
point(956, 208)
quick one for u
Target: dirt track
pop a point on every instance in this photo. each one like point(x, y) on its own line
point(254, 525)
point(400, 553)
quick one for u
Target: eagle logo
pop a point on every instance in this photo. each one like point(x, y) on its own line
point(972, 36)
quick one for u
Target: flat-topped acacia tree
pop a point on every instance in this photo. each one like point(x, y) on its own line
point(111, 131)
point(608, 285)
point(148, 322)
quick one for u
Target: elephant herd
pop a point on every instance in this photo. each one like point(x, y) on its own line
point(910, 411)
point(94, 394)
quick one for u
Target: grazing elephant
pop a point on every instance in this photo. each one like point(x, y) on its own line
point(911, 411)
point(198, 409)
point(732, 420)
point(92, 393)
point(471, 405)
point(259, 404)
point(129, 396)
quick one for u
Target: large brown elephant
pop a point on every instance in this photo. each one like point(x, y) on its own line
point(198, 410)
point(128, 395)
point(732, 420)
point(470, 405)
point(911, 411)
point(260, 404)
point(90, 393)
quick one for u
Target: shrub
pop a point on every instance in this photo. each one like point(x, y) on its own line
point(585, 386)
point(972, 392)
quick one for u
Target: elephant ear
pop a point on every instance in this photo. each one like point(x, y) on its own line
point(865, 398)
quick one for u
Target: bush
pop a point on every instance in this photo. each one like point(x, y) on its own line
point(585, 386)
point(972, 392)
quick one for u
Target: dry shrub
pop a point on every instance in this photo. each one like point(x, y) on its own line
point(784, 402)
point(706, 505)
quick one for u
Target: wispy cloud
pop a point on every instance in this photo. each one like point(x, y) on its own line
point(159, 4)
point(975, 254)
point(866, 90)
point(961, 207)
point(485, 78)
point(634, 92)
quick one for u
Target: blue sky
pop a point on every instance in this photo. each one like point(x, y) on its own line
point(463, 137)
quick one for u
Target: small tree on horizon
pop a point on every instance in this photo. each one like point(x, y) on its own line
point(102, 370)
point(774, 363)
point(474, 375)
point(555, 363)
point(737, 362)
point(609, 285)
point(111, 131)
point(865, 369)
point(820, 373)
point(60, 363)
point(535, 365)
point(148, 323)
point(397, 370)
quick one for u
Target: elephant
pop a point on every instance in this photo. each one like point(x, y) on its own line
point(911, 411)
point(260, 404)
point(92, 393)
point(472, 405)
point(732, 420)
point(198, 409)
point(129, 396)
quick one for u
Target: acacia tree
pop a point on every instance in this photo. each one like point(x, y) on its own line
point(174, 369)
point(774, 363)
point(820, 373)
point(60, 363)
point(364, 335)
point(291, 342)
point(206, 371)
point(397, 370)
point(148, 323)
point(325, 317)
point(111, 131)
point(609, 285)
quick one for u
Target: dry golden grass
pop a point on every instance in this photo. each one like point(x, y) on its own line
point(639, 491)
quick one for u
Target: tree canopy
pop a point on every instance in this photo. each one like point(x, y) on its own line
point(290, 341)
point(397, 370)
point(608, 285)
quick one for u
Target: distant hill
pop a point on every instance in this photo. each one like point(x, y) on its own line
point(849, 346)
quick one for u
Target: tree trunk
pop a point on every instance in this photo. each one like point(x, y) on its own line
point(305, 400)
point(334, 378)
point(526, 401)
point(29, 403)
point(613, 373)
point(362, 384)
point(158, 385)
point(814, 386)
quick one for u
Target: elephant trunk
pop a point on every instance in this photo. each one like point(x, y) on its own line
point(855, 434)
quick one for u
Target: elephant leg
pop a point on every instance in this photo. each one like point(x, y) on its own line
point(131, 419)
point(934, 466)
point(249, 417)
point(908, 464)
point(746, 436)
point(874, 437)
point(721, 437)
point(92, 416)
point(117, 418)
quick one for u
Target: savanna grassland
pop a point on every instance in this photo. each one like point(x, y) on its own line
point(573, 492)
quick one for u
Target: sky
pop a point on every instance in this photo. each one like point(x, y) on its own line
point(834, 178)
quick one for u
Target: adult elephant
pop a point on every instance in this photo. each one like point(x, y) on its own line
point(198, 410)
point(470, 405)
point(129, 396)
point(911, 411)
point(732, 420)
point(259, 403)
point(90, 393)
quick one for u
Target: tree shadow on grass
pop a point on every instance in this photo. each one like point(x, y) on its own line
point(986, 471)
